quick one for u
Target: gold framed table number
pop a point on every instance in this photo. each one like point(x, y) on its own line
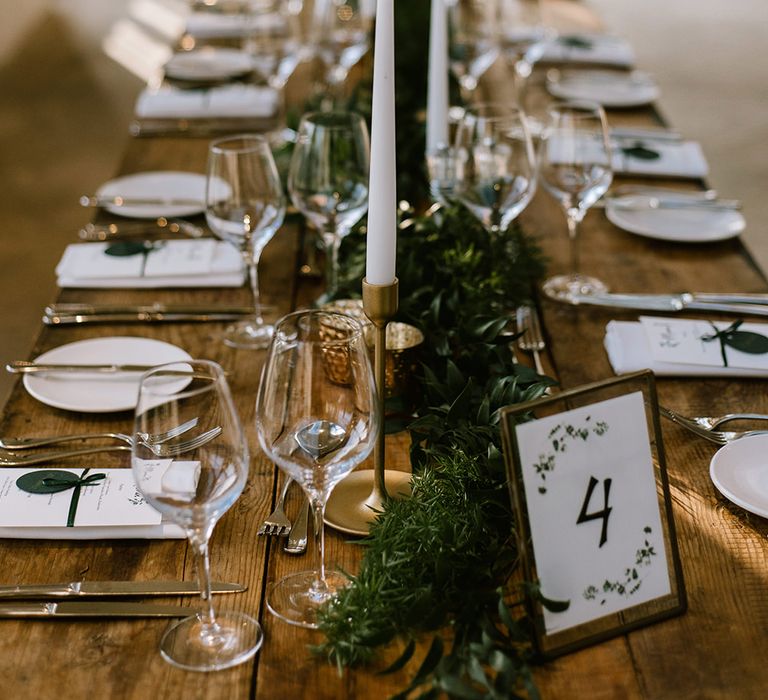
point(589, 485)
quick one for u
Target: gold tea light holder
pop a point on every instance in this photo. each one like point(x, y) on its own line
point(357, 499)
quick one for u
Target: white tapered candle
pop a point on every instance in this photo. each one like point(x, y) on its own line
point(437, 86)
point(382, 195)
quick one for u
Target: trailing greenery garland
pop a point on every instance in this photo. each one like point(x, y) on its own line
point(437, 562)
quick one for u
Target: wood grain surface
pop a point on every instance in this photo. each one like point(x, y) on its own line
point(716, 650)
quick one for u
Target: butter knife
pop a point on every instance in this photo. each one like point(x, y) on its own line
point(104, 589)
point(24, 367)
point(97, 200)
point(90, 608)
point(137, 317)
point(674, 303)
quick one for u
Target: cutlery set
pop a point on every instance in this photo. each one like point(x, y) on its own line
point(277, 523)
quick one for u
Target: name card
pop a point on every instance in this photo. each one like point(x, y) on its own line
point(594, 519)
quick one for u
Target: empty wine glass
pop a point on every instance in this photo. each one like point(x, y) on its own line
point(275, 40)
point(341, 38)
point(328, 179)
point(194, 491)
point(316, 418)
point(575, 168)
point(245, 206)
point(524, 38)
point(495, 164)
point(473, 41)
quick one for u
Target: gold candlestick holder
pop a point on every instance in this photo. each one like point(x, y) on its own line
point(355, 501)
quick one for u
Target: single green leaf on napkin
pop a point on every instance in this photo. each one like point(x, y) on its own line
point(640, 151)
point(574, 41)
point(743, 341)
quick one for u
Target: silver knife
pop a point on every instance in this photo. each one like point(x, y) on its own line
point(24, 367)
point(650, 203)
point(78, 308)
point(138, 317)
point(102, 589)
point(90, 608)
point(96, 200)
point(674, 303)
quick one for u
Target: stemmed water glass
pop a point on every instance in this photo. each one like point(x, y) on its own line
point(245, 206)
point(524, 39)
point(473, 41)
point(341, 38)
point(328, 179)
point(194, 491)
point(575, 168)
point(316, 418)
point(495, 176)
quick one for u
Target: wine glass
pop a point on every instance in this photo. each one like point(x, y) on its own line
point(575, 168)
point(245, 206)
point(275, 40)
point(341, 38)
point(495, 164)
point(328, 179)
point(473, 41)
point(316, 417)
point(194, 491)
point(524, 39)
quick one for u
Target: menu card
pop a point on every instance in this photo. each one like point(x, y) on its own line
point(170, 263)
point(709, 343)
point(111, 505)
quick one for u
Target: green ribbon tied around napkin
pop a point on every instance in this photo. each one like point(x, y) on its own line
point(640, 151)
point(744, 341)
point(57, 480)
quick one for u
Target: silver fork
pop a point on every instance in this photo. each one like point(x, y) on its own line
point(713, 422)
point(146, 438)
point(159, 450)
point(719, 437)
point(531, 340)
point(277, 523)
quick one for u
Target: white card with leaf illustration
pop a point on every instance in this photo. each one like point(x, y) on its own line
point(710, 343)
point(593, 510)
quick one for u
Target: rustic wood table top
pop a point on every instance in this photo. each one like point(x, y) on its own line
point(716, 650)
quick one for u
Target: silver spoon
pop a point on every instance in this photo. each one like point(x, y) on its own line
point(320, 437)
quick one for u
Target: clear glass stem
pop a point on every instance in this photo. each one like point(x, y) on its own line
point(573, 232)
point(208, 619)
point(253, 276)
point(320, 585)
point(332, 245)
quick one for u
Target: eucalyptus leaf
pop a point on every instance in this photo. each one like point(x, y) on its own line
point(747, 341)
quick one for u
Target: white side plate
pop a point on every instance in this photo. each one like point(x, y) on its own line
point(93, 393)
point(739, 471)
point(698, 225)
point(162, 184)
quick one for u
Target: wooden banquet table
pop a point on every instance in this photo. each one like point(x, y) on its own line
point(718, 649)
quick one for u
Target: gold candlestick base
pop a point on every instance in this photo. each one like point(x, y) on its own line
point(354, 502)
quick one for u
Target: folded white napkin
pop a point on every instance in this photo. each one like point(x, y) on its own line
point(629, 350)
point(168, 102)
point(590, 48)
point(183, 263)
point(676, 159)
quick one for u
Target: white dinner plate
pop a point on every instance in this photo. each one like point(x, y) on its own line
point(739, 471)
point(209, 64)
point(93, 393)
point(698, 225)
point(608, 88)
point(161, 184)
